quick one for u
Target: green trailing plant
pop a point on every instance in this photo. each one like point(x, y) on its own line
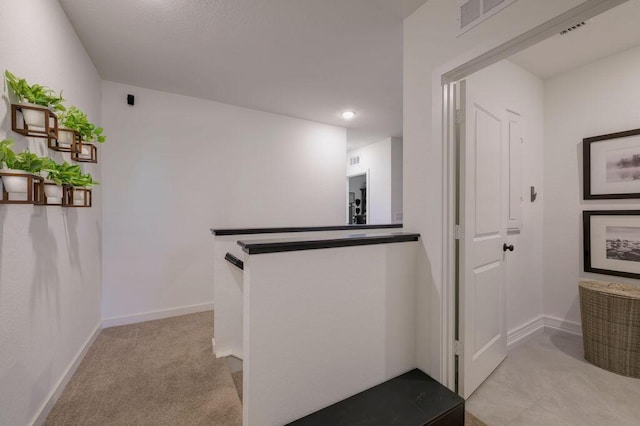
point(67, 174)
point(28, 162)
point(25, 161)
point(34, 94)
point(77, 120)
point(7, 156)
point(85, 180)
point(62, 173)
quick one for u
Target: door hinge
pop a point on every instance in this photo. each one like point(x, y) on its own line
point(459, 116)
point(458, 232)
point(458, 347)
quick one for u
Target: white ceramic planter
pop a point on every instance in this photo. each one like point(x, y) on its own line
point(15, 184)
point(53, 193)
point(36, 120)
point(65, 138)
point(78, 197)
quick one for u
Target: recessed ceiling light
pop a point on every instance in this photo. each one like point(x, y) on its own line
point(348, 115)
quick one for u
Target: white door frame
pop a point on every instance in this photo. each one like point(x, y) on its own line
point(448, 77)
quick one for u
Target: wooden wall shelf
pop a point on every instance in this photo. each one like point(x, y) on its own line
point(71, 135)
point(35, 190)
point(77, 155)
point(50, 121)
point(70, 197)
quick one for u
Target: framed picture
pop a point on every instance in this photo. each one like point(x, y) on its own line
point(611, 166)
point(612, 242)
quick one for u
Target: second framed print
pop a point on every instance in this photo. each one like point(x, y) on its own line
point(611, 165)
point(612, 242)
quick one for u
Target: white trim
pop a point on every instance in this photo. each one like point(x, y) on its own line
point(539, 325)
point(449, 179)
point(564, 326)
point(55, 393)
point(155, 315)
point(228, 353)
point(525, 332)
point(224, 354)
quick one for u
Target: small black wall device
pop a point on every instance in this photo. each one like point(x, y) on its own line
point(130, 99)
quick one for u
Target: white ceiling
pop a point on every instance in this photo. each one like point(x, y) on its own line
point(304, 58)
point(611, 32)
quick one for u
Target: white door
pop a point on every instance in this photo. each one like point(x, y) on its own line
point(483, 217)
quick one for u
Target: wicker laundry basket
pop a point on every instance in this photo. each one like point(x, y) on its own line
point(611, 326)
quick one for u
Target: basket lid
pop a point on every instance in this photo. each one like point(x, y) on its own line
point(619, 289)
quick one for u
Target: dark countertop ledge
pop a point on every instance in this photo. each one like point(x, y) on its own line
point(284, 230)
point(296, 244)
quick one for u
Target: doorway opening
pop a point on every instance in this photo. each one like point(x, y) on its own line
point(357, 199)
point(494, 169)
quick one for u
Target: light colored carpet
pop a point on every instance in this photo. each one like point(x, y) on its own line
point(153, 373)
point(156, 373)
point(237, 380)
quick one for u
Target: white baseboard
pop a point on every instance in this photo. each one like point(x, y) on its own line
point(544, 322)
point(155, 315)
point(219, 353)
point(48, 405)
point(525, 332)
point(563, 326)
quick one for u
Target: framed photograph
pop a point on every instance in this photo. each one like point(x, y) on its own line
point(611, 165)
point(612, 242)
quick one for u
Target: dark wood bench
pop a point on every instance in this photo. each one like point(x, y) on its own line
point(412, 399)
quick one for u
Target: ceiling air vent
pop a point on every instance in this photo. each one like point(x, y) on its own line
point(469, 12)
point(573, 28)
point(473, 12)
point(489, 5)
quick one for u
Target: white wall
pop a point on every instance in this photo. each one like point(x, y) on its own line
point(178, 166)
point(384, 192)
point(432, 47)
point(514, 89)
point(49, 256)
point(323, 325)
point(228, 285)
point(599, 98)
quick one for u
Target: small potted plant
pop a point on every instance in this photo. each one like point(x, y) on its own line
point(76, 120)
point(81, 187)
point(34, 96)
point(58, 175)
point(7, 156)
point(23, 164)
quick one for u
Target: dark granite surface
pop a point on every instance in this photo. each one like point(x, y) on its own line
point(284, 230)
point(295, 244)
point(412, 399)
point(234, 260)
